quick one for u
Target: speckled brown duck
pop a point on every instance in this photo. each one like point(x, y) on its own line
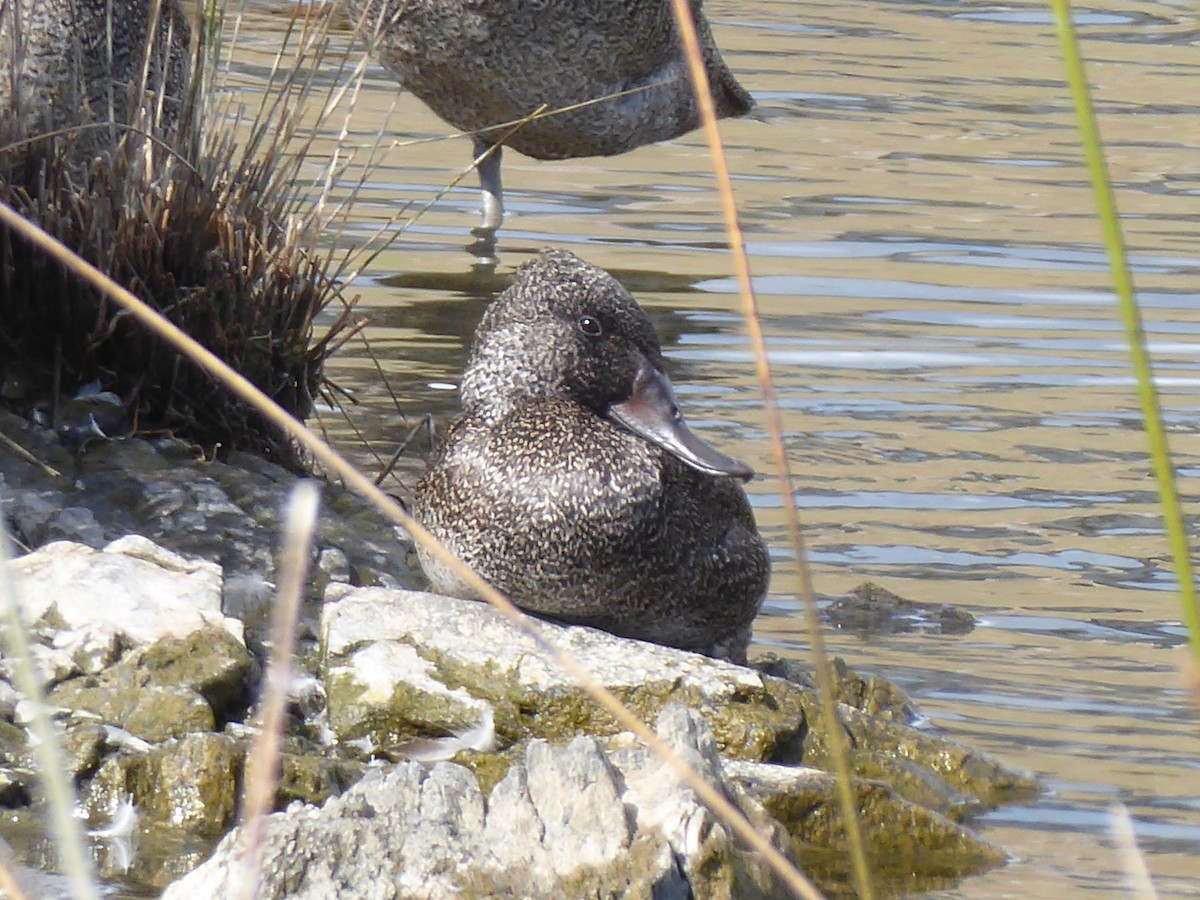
point(572, 483)
point(484, 63)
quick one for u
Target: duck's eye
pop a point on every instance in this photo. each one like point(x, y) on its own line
point(590, 326)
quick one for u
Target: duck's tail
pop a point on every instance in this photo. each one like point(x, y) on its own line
point(730, 97)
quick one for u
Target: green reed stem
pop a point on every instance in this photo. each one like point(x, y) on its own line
point(1114, 242)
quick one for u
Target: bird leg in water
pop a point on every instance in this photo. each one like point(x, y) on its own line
point(488, 164)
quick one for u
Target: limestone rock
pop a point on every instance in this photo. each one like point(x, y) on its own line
point(585, 827)
point(132, 587)
point(148, 711)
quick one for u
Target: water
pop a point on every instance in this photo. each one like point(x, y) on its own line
point(959, 408)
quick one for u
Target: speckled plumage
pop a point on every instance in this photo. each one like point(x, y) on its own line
point(483, 63)
point(58, 68)
point(569, 513)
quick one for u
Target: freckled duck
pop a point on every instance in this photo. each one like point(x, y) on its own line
point(572, 483)
point(484, 63)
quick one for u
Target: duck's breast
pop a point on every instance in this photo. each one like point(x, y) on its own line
point(549, 503)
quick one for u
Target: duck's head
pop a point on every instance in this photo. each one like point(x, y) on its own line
point(566, 329)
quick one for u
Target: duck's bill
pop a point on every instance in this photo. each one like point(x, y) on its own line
point(652, 413)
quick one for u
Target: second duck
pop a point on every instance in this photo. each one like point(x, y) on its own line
point(610, 74)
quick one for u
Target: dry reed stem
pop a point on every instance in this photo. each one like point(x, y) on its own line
point(833, 727)
point(28, 457)
point(262, 770)
point(1189, 674)
point(362, 485)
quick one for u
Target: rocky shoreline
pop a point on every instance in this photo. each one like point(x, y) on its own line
point(429, 747)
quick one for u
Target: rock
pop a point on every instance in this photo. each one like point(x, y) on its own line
point(171, 688)
point(911, 846)
point(403, 663)
point(83, 744)
point(149, 711)
point(227, 512)
point(314, 779)
point(871, 609)
point(507, 740)
point(210, 662)
point(386, 692)
point(190, 783)
point(382, 649)
point(588, 828)
point(8, 700)
point(133, 588)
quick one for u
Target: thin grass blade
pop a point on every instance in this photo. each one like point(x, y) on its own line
point(75, 862)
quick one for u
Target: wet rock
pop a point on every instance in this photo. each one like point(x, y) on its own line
point(83, 744)
point(387, 693)
point(15, 787)
point(16, 766)
point(878, 745)
point(871, 609)
point(175, 686)
point(872, 694)
point(227, 512)
point(210, 662)
point(8, 700)
point(190, 783)
point(587, 827)
point(883, 746)
point(313, 779)
point(404, 663)
point(911, 846)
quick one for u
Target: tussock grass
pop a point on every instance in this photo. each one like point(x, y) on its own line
point(220, 235)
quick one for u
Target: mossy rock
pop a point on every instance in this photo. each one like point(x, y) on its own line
point(83, 746)
point(313, 779)
point(14, 745)
point(211, 662)
point(922, 767)
point(910, 847)
point(387, 693)
point(764, 722)
point(190, 783)
point(128, 701)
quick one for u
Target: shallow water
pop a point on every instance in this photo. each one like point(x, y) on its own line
point(958, 403)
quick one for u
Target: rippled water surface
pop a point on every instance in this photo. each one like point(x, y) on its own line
point(959, 408)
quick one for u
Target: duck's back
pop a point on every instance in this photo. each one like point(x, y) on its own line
point(576, 518)
point(481, 63)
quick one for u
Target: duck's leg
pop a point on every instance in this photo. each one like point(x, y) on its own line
point(489, 183)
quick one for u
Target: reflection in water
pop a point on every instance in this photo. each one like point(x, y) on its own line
point(954, 383)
